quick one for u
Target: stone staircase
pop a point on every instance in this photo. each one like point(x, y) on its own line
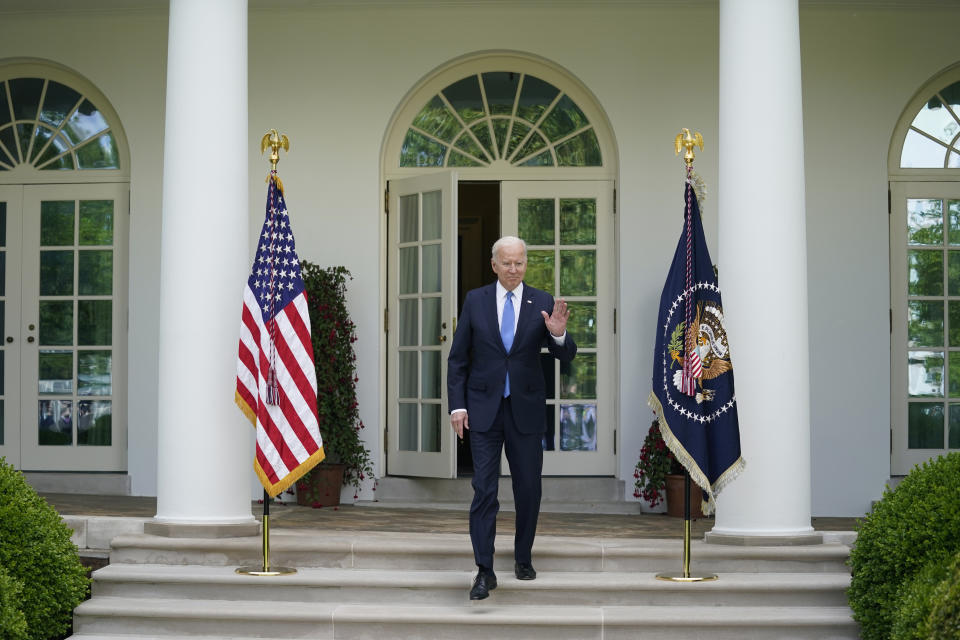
point(375, 585)
point(571, 494)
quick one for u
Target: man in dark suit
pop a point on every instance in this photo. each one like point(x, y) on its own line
point(496, 390)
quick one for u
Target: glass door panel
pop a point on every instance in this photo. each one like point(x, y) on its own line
point(568, 228)
point(925, 345)
point(11, 200)
point(422, 294)
point(72, 324)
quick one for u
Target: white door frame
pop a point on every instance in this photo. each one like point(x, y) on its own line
point(500, 170)
point(406, 455)
point(602, 460)
point(902, 457)
point(12, 199)
point(21, 340)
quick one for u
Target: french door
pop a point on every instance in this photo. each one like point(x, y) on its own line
point(925, 331)
point(568, 228)
point(422, 276)
point(63, 350)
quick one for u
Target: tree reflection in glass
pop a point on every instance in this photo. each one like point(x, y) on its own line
point(578, 427)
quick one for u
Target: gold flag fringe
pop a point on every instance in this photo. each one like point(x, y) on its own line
point(275, 489)
point(246, 408)
point(696, 473)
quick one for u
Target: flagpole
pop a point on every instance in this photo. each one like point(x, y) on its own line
point(687, 141)
point(276, 142)
point(266, 569)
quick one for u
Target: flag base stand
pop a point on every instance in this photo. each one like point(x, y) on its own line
point(266, 570)
point(684, 576)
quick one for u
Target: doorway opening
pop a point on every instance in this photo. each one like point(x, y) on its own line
point(478, 227)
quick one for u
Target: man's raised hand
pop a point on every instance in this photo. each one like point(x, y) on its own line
point(557, 321)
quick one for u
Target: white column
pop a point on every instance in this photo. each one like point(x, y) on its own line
point(762, 263)
point(204, 447)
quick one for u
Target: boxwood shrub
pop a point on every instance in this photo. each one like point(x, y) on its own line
point(910, 527)
point(38, 559)
point(13, 624)
point(910, 621)
point(944, 619)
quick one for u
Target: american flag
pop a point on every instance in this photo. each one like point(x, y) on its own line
point(276, 379)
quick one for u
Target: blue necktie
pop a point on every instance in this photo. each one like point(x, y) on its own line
point(506, 333)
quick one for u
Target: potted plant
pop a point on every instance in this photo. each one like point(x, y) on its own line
point(658, 473)
point(333, 335)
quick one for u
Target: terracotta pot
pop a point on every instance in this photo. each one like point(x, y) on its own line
point(321, 487)
point(675, 498)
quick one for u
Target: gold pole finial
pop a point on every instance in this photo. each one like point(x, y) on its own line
point(275, 141)
point(688, 141)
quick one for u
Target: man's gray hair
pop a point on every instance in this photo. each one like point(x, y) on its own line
point(505, 241)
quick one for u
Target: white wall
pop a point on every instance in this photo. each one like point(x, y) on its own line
point(860, 68)
point(331, 78)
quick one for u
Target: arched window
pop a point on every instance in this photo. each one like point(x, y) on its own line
point(931, 141)
point(64, 209)
point(50, 126)
point(489, 144)
point(501, 116)
point(924, 167)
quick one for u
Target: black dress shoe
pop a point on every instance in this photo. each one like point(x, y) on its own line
point(524, 571)
point(483, 584)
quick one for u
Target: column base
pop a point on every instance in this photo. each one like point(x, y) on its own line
point(741, 540)
point(198, 530)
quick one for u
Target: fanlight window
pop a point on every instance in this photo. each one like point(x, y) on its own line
point(501, 116)
point(52, 127)
point(931, 142)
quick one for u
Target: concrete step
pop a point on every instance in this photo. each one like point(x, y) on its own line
point(373, 550)
point(123, 636)
point(361, 586)
point(560, 494)
point(114, 616)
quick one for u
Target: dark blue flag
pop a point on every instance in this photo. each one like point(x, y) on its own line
point(693, 394)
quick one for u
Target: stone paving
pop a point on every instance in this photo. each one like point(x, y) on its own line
point(373, 517)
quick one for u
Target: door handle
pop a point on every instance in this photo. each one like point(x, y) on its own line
point(442, 338)
point(9, 339)
point(31, 339)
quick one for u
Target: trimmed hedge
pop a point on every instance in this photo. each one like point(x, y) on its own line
point(39, 561)
point(915, 525)
point(944, 620)
point(13, 624)
point(917, 600)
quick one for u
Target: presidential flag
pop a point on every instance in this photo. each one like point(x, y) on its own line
point(276, 379)
point(693, 394)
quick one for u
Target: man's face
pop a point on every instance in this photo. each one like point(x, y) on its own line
point(510, 265)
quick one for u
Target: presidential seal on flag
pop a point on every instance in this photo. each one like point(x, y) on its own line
point(693, 391)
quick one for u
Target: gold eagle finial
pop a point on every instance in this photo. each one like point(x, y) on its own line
point(275, 141)
point(688, 141)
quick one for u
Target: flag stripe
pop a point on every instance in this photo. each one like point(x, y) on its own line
point(273, 441)
point(292, 364)
point(266, 467)
point(300, 417)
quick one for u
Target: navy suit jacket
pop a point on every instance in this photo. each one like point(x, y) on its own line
point(477, 365)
